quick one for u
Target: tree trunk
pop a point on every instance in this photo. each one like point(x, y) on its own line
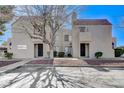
point(51, 53)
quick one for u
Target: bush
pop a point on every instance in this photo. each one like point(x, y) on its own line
point(8, 55)
point(55, 53)
point(119, 52)
point(98, 54)
point(61, 54)
point(69, 55)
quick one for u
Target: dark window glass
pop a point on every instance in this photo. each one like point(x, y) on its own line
point(66, 37)
point(113, 45)
point(82, 29)
point(10, 44)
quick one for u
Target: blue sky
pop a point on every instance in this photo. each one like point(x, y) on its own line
point(113, 13)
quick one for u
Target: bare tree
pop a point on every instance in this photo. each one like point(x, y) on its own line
point(6, 14)
point(52, 17)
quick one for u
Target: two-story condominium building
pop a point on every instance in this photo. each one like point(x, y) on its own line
point(91, 36)
point(86, 37)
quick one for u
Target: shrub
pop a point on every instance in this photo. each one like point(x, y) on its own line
point(119, 52)
point(61, 54)
point(55, 53)
point(69, 55)
point(98, 54)
point(8, 55)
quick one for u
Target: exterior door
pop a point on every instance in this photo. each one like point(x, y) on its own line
point(82, 49)
point(40, 50)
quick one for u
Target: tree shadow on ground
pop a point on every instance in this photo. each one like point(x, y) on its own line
point(46, 78)
point(101, 69)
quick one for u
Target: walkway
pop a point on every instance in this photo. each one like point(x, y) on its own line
point(69, 62)
point(14, 65)
point(66, 62)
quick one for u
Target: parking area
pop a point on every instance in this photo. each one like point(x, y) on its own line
point(57, 77)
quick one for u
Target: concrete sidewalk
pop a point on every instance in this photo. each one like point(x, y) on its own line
point(14, 65)
point(75, 62)
point(65, 62)
point(72, 62)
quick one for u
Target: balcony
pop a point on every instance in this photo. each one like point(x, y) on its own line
point(85, 36)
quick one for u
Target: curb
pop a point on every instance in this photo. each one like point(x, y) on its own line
point(23, 63)
point(13, 66)
point(50, 65)
point(90, 66)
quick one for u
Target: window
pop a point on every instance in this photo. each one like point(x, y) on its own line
point(10, 44)
point(82, 29)
point(113, 45)
point(66, 37)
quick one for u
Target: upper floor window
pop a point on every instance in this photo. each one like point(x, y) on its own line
point(66, 37)
point(82, 29)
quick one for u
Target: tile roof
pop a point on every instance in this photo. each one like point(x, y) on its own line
point(92, 22)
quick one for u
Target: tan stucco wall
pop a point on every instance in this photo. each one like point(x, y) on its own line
point(60, 39)
point(99, 39)
point(102, 41)
point(75, 42)
point(20, 37)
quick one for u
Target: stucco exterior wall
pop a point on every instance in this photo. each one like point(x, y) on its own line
point(20, 37)
point(100, 39)
point(60, 39)
point(75, 42)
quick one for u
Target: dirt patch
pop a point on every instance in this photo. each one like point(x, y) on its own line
point(78, 62)
point(5, 63)
point(58, 62)
point(42, 61)
point(105, 62)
